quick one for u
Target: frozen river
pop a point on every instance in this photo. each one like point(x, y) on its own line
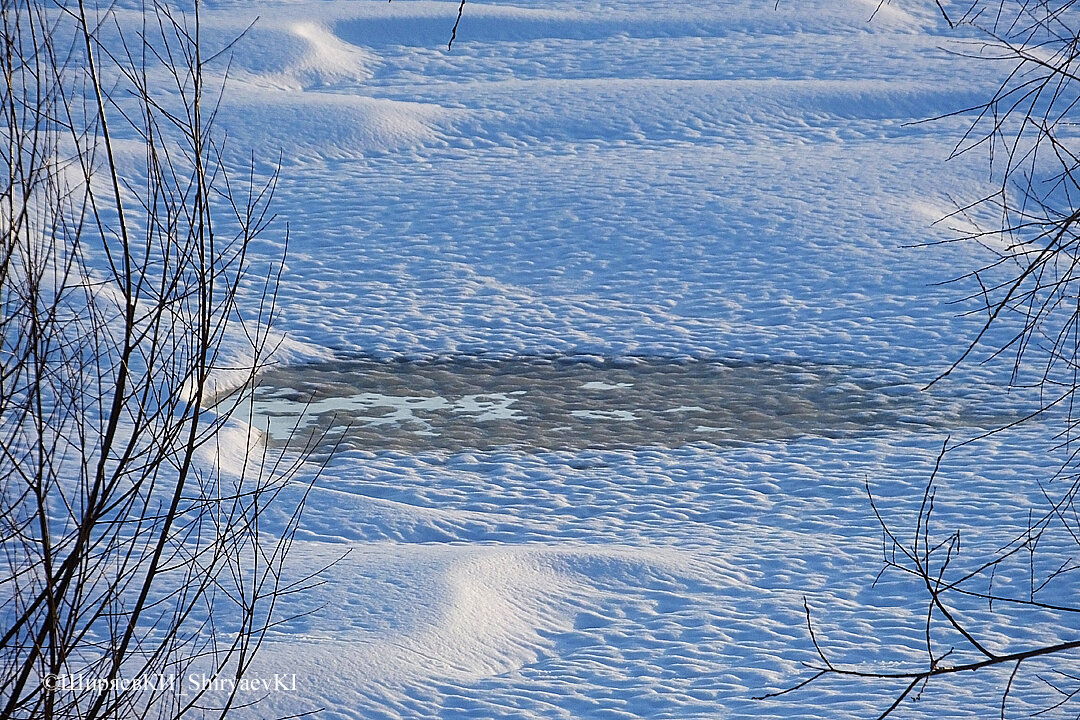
point(618, 309)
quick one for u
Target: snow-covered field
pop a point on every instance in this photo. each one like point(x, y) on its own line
point(577, 199)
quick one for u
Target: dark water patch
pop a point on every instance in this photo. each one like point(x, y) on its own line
point(575, 403)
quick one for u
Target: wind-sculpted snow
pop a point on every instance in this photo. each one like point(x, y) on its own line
point(729, 209)
point(650, 583)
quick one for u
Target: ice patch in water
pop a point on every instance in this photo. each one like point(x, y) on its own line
point(566, 404)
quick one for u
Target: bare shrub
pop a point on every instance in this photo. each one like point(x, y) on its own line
point(133, 552)
point(1028, 293)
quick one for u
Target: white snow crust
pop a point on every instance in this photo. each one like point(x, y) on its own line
point(715, 180)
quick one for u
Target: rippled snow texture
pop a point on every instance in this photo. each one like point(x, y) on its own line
point(714, 186)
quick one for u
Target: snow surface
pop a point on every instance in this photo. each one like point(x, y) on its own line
point(715, 181)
